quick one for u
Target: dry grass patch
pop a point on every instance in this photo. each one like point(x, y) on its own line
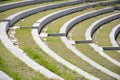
point(102, 38)
point(16, 68)
point(102, 34)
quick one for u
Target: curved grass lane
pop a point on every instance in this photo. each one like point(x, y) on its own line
point(15, 68)
point(7, 13)
point(102, 38)
point(8, 1)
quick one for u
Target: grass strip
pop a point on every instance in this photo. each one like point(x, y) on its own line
point(7, 13)
point(59, 22)
point(102, 34)
point(102, 38)
point(8, 1)
point(61, 49)
point(16, 68)
point(27, 43)
point(28, 21)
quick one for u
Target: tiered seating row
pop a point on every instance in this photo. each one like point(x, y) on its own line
point(68, 25)
point(79, 31)
point(99, 36)
point(53, 16)
point(8, 6)
point(95, 26)
point(80, 18)
point(113, 35)
point(14, 18)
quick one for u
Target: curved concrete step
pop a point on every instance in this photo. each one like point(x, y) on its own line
point(93, 27)
point(53, 16)
point(22, 56)
point(46, 49)
point(82, 17)
point(41, 23)
point(68, 25)
point(4, 76)
point(4, 7)
point(50, 17)
point(113, 34)
point(17, 16)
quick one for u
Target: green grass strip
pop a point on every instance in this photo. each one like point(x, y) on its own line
point(7, 13)
point(8, 1)
point(78, 33)
point(29, 21)
point(102, 38)
point(27, 43)
point(16, 68)
point(102, 34)
point(61, 49)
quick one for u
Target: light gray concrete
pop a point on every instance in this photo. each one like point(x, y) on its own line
point(7, 6)
point(58, 14)
point(68, 25)
point(82, 17)
point(113, 35)
point(22, 56)
point(48, 51)
point(17, 16)
point(95, 26)
point(43, 21)
point(91, 62)
point(4, 76)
